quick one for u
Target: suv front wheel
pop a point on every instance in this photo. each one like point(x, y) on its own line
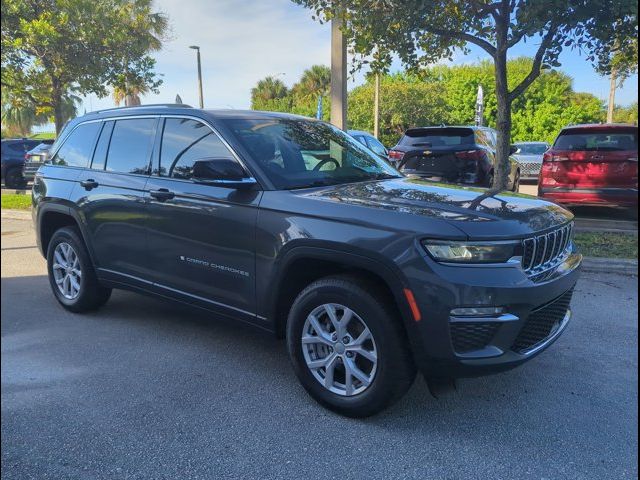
point(347, 346)
point(71, 274)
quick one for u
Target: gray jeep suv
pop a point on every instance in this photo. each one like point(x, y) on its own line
point(291, 225)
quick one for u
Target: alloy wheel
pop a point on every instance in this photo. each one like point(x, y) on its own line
point(339, 349)
point(67, 272)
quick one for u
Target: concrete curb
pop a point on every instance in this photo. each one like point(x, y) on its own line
point(16, 214)
point(626, 266)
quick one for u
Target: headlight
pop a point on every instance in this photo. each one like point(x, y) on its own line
point(472, 252)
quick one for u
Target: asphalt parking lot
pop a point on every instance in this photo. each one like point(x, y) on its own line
point(144, 389)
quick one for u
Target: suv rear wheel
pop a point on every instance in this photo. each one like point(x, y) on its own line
point(71, 274)
point(348, 348)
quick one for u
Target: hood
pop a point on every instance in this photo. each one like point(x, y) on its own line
point(477, 212)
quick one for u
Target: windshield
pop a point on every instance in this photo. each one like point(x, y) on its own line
point(531, 148)
point(304, 153)
point(597, 141)
point(437, 137)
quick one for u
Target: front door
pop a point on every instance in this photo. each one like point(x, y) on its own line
point(201, 237)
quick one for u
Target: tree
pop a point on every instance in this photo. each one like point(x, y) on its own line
point(145, 31)
point(548, 105)
point(315, 81)
point(129, 94)
point(626, 114)
point(20, 115)
point(447, 94)
point(408, 102)
point(421, 32)
point(267, 89)
point(623, 63)
point(52, 46)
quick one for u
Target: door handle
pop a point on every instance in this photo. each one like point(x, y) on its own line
point(162, 194)
point(89, 184)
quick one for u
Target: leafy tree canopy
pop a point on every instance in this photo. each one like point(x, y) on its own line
point(421, 32)
point(447, 94)
point(52, 46)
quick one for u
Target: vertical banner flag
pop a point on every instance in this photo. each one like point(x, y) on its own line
point(319, 109)
point(480, 107)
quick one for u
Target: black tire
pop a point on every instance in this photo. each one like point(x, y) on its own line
point(395, 371)
point(91, 294)
point(489, 179)
point(14, 179)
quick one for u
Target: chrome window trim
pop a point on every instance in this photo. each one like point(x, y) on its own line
point(164, 115)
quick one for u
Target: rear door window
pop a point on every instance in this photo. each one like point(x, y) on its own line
point(77, 149)
point(131, 145)
point(597, 141)
point(183, 142)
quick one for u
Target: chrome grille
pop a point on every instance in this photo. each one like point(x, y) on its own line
point(530, 169)
point(544, 252)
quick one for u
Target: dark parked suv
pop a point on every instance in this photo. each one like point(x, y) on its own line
point(463, 155)
point(13, 156)
point(291, 225)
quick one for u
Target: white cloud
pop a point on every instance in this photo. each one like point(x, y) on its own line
point(240, 43)
point(243, 41)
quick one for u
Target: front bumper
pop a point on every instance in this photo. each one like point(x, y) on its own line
point(614, 197)
point(445, 346)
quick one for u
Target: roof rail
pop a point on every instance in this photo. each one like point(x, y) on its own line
point(150, 105)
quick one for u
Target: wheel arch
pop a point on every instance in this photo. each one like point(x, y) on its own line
point(301, 265)
point(53, 216)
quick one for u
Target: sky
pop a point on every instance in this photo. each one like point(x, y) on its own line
point(244, 41)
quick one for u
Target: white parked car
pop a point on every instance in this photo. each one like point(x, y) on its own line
point(529, 156)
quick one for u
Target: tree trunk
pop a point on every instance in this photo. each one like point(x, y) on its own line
point(503, 123)
point(56, 100)
point(612, 96)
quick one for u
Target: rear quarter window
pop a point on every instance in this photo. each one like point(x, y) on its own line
point(77, 149)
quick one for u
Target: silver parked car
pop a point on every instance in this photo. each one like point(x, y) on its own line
point(529, 156)
point(34, 158)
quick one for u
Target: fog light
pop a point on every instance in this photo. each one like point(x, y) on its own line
point(476, 311)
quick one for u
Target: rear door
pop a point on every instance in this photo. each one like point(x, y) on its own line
point(596, 157)
point(201, 237)
point(110, 196)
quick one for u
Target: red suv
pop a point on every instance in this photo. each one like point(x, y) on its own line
point(592, 165)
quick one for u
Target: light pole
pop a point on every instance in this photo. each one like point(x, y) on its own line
point(376, 107)
point(197, 49)
point(338, 73)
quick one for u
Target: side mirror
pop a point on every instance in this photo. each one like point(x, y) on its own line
point(513, 150)
point(222, 172)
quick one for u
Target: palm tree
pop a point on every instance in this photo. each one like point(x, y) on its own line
point(147, 34)
point(18, 114)
point(130, 97)
point(315, 81)
point(268, 88)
